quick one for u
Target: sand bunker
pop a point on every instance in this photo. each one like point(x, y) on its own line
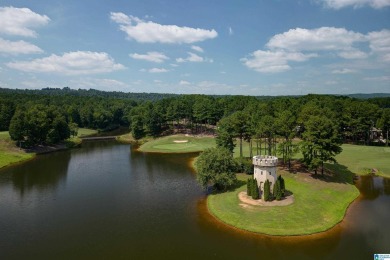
point(180, 141)
point(249, 201)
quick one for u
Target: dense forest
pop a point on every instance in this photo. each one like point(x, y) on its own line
point(50, 115)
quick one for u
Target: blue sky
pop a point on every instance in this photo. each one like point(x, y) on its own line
point(209, 47)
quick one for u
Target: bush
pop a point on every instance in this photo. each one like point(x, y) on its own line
point(282, 185)
point(267, 191)
point(277, 191)
point(255, 190)
point(244, 166)
point(249, 187)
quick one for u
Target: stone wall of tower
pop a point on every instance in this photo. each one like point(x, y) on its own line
point(265, 169)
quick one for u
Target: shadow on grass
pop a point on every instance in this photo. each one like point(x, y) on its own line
point(337, 173)
point(234, 187)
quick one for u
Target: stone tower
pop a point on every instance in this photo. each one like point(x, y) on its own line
point(265, 168)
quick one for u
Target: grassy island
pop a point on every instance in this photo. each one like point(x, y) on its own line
point(178, 144)
point(318, 206)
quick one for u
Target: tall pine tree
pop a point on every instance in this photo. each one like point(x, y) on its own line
point(255, 190)
point(267, 191)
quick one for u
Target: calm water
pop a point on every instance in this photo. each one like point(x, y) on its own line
point(107, 201)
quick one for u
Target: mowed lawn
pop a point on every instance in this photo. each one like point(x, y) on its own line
point(9, 153)
point(178, 144)
point(359, 159)
point(318, 206)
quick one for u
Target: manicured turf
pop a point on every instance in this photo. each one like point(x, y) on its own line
point(360, 159)
point(167, 144)
point(318, 206)
point(86, 132)
point(9, 153)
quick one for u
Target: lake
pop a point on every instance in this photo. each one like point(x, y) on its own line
point(106, 200)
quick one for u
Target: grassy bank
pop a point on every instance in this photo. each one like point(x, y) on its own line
point(76, 140)
point(318, 206)
point(362, 159)
point(178, 144)
point(9, 153)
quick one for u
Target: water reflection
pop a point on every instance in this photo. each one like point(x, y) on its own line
point(371, 187)
point(38, 176)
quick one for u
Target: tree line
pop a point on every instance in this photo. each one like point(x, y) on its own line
point(49, 115)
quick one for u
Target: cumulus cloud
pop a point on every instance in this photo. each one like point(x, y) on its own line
point(18, 47)
point(339, 4)
point(380, 44)
point(196, 48)
point(324, 38)
point(158, 70)
point(184, 83)
point(273, 61)
point(192, 57)
point(71, 63)
point(151, 32)
point(152, 56)
point(300, 44)
point(343, 71)
point(19, 21)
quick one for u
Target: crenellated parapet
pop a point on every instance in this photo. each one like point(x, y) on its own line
point(265, 160)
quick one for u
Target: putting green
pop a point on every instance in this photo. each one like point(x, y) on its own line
point(176, 144)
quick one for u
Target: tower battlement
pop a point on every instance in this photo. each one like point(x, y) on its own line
point(265, 160)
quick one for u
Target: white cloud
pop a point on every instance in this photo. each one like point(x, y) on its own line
point(230, 31)
point(273, 61)
point(158, 70)
point(343, 71)
point(338, 4)
point(301, 44)
point(184, 83)
point(71, 63)
point(379, 41)
point(380, 78)
point(380, 44)
point(151, 32)
point(196, 48)
point(320, 39)
point(19, 21)
point(192, 57)
point(353, 54)
point(18, 47)
point(152, 56)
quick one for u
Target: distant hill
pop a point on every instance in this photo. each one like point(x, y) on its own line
point(156, 96)
point(367, 96)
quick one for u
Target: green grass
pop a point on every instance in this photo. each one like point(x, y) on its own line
point(9, 153)
point(318, 206)
point(82, 132)
point(167, 145)
point(359, 159)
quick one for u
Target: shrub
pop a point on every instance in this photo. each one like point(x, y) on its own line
point(249, 187)
point(267, 191)
point(244, 166)
point(282, 186)
point(255, 190)
point(277, 191)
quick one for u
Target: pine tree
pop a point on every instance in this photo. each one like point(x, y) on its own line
point(249, 187)
point(266, 192)
point(282, 185)
point(277, 191)
point(255, 190)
